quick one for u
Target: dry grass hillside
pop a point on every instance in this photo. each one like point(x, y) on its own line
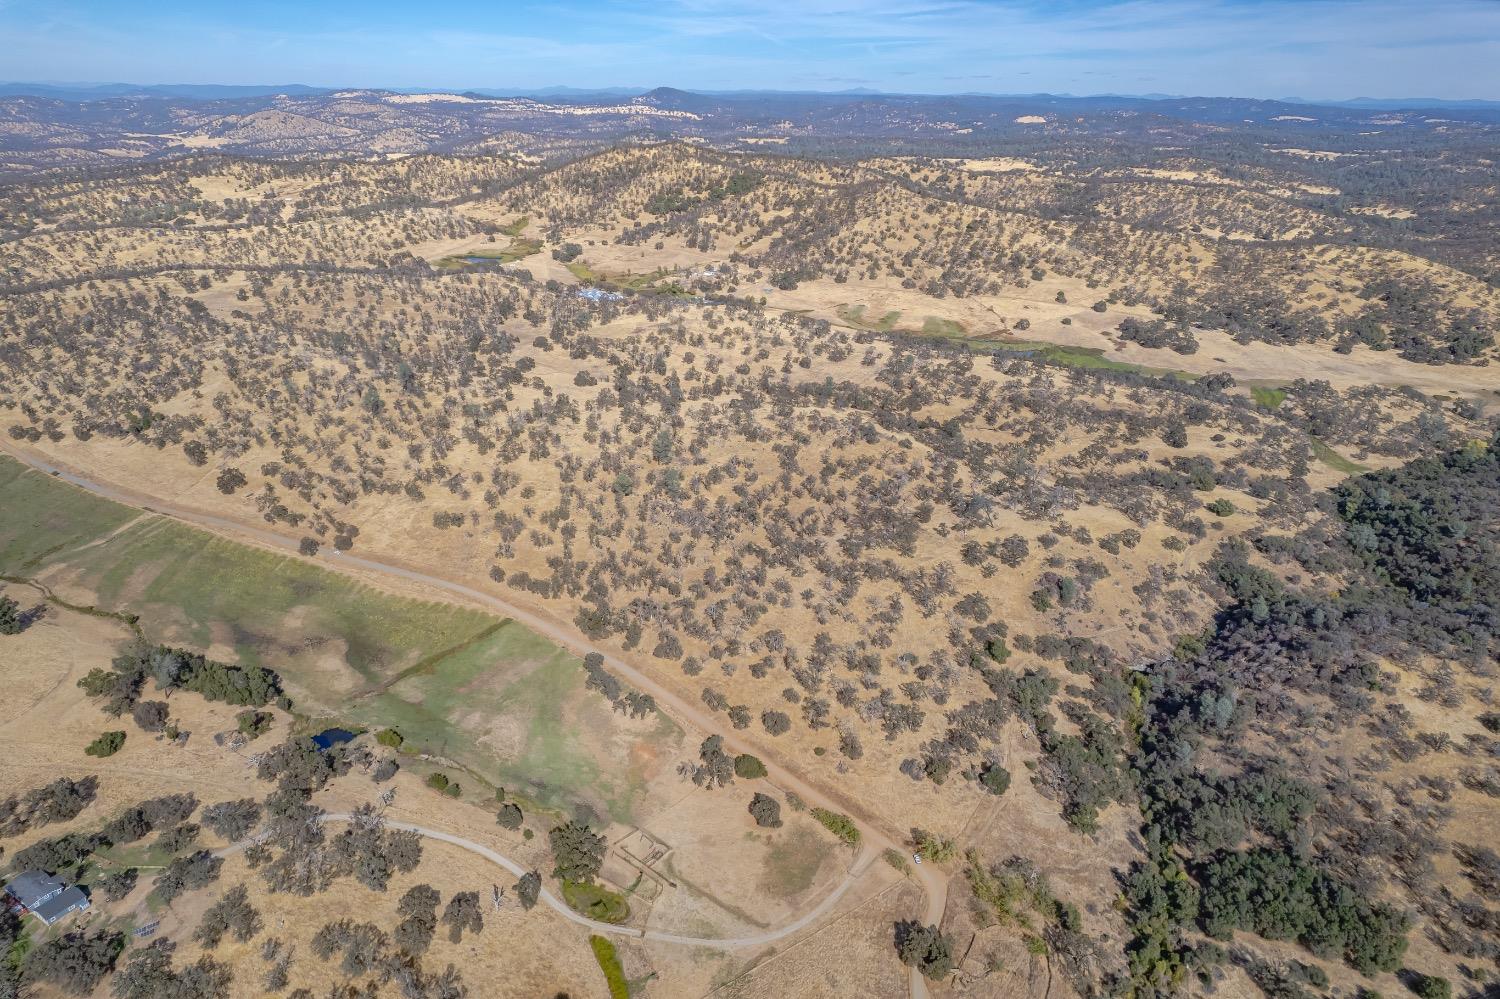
point(913, 472)
point(516, 952)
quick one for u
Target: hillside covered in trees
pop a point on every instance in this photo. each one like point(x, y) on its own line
point(1110, 528)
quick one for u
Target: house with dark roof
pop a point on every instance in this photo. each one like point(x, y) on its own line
point(44, 896)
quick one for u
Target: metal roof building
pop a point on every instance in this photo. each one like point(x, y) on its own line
point(44, 896)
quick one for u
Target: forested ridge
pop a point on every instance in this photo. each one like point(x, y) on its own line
point(1247, 846)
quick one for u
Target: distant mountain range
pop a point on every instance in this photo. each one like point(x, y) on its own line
point(665, 95)
point(78, 125)
point(179, 91)
point(1404, 103)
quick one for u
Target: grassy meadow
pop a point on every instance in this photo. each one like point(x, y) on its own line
point(40, 517)
point(469, 687)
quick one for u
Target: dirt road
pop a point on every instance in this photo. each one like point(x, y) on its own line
point(856, 869)
point(933, 881)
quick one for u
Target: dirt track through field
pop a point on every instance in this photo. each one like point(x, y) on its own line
point(856, 869)
point(933, 881)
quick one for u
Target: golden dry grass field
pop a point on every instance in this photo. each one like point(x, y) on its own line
point(903, 473)
point(770, 876)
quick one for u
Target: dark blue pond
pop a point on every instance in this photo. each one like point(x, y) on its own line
point(330, 737)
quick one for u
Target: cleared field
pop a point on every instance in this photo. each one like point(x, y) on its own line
point(1336, 461)
point(1269, 398)
point(794, 862)
point(518, 953)
point(518, 249)
point(1091, 358)
point(855, 316)
point(42, 518)
point(263, 606)
point(532, 727)
point(476, 690)
point(938, 326)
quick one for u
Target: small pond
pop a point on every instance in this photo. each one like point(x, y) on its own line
point(330, 737)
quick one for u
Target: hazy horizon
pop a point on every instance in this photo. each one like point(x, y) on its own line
point(1320, 50)
point(638, 90)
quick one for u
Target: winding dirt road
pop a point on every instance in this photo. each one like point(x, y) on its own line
point(856, 869)
point(875, 839)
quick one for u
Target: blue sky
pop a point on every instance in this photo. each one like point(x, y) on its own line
point(1264, 48)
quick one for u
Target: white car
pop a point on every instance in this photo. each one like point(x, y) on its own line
point(916, 858)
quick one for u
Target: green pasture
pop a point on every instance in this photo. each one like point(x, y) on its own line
point(471, 687)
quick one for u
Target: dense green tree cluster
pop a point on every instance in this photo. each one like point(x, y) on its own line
point(749, 767)
point(1210, 812)
point(669, 201)
point(253, 723)
point(74, 962)
point(107, 744)
point(1162, 902)
point(120, 686)
point(995, 779)
point(577, 851)
point(1088, 769)
point(10, 617)
point(1281, 896)
point(441, 783)
point(1432, 987)
point(925, 948)
point(1419, 545)
point(839, 824)
point(1431, 529)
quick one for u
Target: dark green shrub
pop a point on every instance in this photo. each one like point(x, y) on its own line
point(748, 767)
point(995, 778)
point(108, 744)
